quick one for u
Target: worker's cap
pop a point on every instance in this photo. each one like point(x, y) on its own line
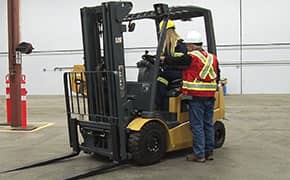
point(193, 37)
point(170, 24)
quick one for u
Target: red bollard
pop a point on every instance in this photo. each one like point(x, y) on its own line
point(8, 104)
point(23, 103)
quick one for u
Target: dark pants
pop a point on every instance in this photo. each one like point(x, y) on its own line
point(201, 121)
point(162, 99)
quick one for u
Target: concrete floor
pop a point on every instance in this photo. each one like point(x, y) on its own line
point(257, 145)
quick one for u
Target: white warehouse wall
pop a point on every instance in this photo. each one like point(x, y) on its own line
point(54, 29)
point(265, 22)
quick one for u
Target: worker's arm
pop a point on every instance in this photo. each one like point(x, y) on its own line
point(182, 61)
point(181, 47)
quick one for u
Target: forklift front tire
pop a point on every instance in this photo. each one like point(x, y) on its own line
point(148, 145)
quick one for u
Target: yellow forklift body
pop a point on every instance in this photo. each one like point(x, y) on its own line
point(180, 137)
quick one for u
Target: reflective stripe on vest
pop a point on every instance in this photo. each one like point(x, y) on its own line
point(200, 86)
point(162, 80)
point(208, 65)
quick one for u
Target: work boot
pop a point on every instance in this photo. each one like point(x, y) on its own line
point(192, 157)
point(209, 156)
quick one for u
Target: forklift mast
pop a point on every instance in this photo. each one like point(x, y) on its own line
point(104, 21)
point(106, 81)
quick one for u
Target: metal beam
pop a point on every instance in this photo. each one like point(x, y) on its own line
point(14, 68)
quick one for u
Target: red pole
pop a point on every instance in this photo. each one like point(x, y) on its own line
point(14, 66)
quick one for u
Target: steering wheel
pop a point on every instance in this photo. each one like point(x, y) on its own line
point(148, 57)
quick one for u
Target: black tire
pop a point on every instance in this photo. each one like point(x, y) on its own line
point(148, 145)
point(220, 134)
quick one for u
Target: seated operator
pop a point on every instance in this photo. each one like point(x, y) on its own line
point(174, 47)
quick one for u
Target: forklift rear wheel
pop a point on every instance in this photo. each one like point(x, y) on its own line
point(220, 134)
point(148, 145)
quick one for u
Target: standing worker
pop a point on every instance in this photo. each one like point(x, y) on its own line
point(173, 46)
point(200, 79)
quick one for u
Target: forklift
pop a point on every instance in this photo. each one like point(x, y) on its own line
point(110, 116)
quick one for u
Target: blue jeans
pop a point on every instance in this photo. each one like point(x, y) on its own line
point(201, 122)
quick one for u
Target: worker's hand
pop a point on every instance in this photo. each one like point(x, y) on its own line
point(162, 58)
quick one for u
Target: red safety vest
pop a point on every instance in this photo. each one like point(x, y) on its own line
point(199, 79)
